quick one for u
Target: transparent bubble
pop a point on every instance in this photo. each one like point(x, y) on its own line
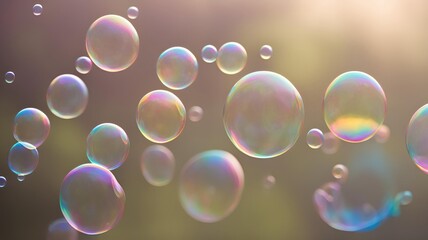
point(91, 199)
point(315, 138)
point(37, 9)
point(9, 77)
point(67, 96)
point(266, 52)
point(340, 171)
point(3, 181)
point(107, 145)
point(20, 178)
point(158, 165)
point(331, 143)
point(177, 68)
point(382, 134)
point(161, 116)
point(211, 184)
point(133, 12)
point(269, 181)
point(404, 198)
point(417, 137)
point(112, 43)
point(263, 114)
point(31, 126)
point(231, 58)
point(83, 65)
point(354, 106)
point(209, 53)
point(195, 113)
point(61, 230)
point(23, 158)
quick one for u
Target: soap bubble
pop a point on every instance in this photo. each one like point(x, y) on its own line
point(112, 43)
point(67, 96)
point(269, 181)
point(177, 68)
point(340, 171)
point(404, 198)
point(107, 145)
point(83, 65)
point(331, 143)
point(3, 181)
point(91, 199)
point(161, 116)
point(263, 114)
point(417, 137)
point(23, 158)
point(133, 12)
point(211, 184)
point(158, 165)
point(31, 126)
point(315, 138)
point(195, 113)
point(37, 9)
point(20, 178)
point(354, 106)
point(9, 77)
point(231, 58)
point(382, 134)
point(61, 230)
point(209, 53)
point(266, 52)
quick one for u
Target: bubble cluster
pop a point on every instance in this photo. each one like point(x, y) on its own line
point(315, 138)
point(195, 113)
point(209, 53)
point(161, 116)
point(112, 43)
point(91, 199)
point(133, 12)
point(23, 158)
point(231, 58)
point(37, 9)
point(3, 181)
point(177, 68)
point(354, 106)
point(211, 184)
point(269, 181)
point(61, 230)
point(31, 126)
point(83, 65)
point(67, 96)
point(263, 114)
point(266, 52)
point(340, 171)
point(158, 165)
point(9, 77)
point(417, 137)
point(107, 145)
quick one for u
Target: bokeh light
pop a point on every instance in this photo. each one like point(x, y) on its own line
point(61, 230)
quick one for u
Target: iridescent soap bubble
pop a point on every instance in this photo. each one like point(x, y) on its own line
point(83, 65)
point(112, 43)
point(3, 181)
point(382, 134)
point(404, 198)
point(315, 138)
point(417, 138)
point(67, 96)
point(161, 116)
point(60, 229)
point(195, 113)
point(266, 52)
point(211, 184)
point(209, 53)
point(158, 165)
point(177, 68)
point(9, 77)
point(354, 106)
point(133, 12)
point(107, 145)
point(31, 126)
point(263, 114)
point(37, 9)
point(331, 143)
point(23, 158)
point(231, 58)
point(91, 199)
point(269, 181)
point(340, 171)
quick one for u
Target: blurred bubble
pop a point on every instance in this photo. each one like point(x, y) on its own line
point(107, 145)
point(417, 137)
point(404, 198)
point(3, 181)
point(382, 134)
point(211, 184)
point(61, 230)
point(67, 96)
point(266, 52)
point(340, 171)
point(263, 114)
point(9, 77)
point(161, 116)
point(209, 53)
point(231, 58)
point(91, 199)
point(20, 178)
point(158, 165)
point(37, 9)
point(177, 68)
point(23, 158)
point(83, 65)
point(269, 181)
point(31, 126)
point(331, 143)
point(315, 138)
point(354, 106)
point(133, 12)
point(195, 113)
point(112, 43)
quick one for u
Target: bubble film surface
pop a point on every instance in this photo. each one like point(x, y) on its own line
point(23, 158)
point(158, 165)
point(83, 65)
point(31, 126)
point(209, 53)
point(314, 138)
point(231, 58)
point(61, 230)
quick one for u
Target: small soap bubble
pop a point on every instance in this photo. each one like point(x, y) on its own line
point(209, 53)
point(404, 198)
point(315, 138)
point(83, 65)
point(31, 126)
point(9, 77)
point(23, 158)
point(20, 178)
point(266, 52)
point(231, 58)
point(133, 12)
point(331, 143)
point(158, 165)
point(382, 134)
point(195, 113)
point(340, 171)
point(269, 181)
point(37, 9)
point(3, 181)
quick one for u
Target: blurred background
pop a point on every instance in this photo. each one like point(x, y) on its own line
point(313, 42)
